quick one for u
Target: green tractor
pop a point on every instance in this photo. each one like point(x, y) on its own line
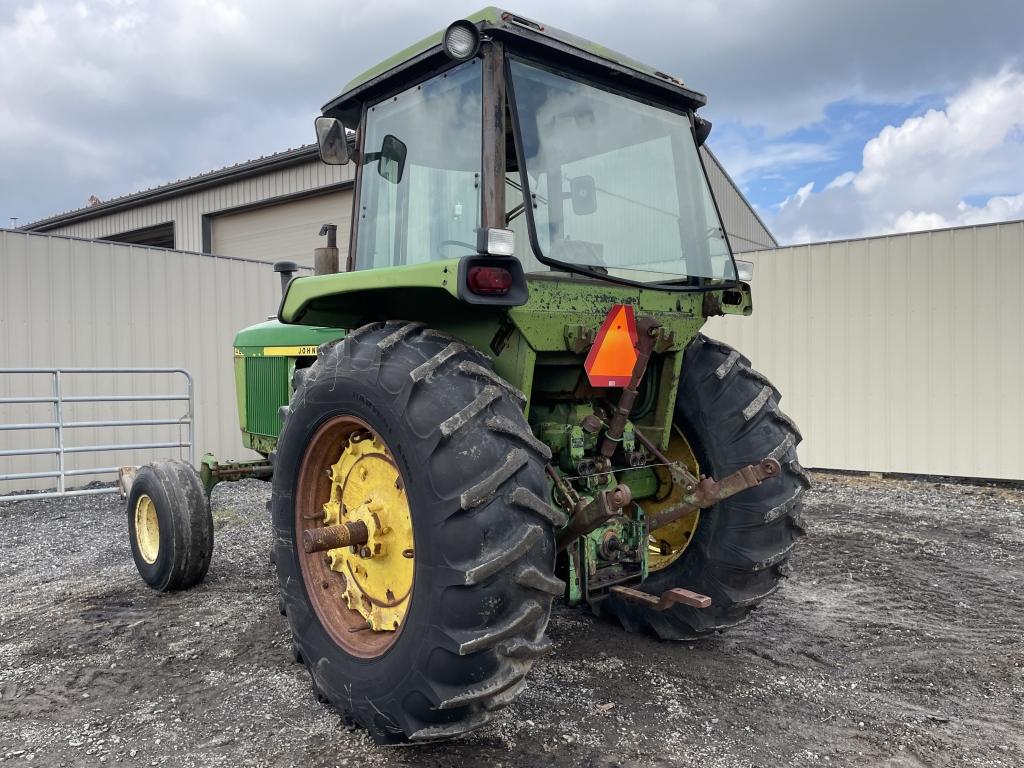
point(505, 397)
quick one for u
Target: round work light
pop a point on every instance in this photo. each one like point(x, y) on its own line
point(461, 40)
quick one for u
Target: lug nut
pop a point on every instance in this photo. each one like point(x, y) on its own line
point(364, 552)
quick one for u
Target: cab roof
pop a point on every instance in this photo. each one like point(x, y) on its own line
point(546, 42)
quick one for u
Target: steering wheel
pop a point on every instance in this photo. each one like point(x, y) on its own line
point(449, 243)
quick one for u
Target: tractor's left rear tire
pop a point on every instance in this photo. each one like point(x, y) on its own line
point(170, 527)
point(428, 436)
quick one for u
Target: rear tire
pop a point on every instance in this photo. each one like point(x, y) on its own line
point(483, 537)
point(740, 551)
point(170, 527)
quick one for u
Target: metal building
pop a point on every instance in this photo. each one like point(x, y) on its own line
point(898, 353)
point(272, 208)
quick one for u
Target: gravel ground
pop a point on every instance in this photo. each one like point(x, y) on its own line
point(898, 641)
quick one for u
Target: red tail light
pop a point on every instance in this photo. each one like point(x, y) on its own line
point(489, 281)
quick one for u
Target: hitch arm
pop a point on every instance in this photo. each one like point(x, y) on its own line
point(604, 506)
point(710, 491)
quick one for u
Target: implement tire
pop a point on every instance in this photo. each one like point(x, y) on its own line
point(170, 527)
point(729, 414)
point(483, 557)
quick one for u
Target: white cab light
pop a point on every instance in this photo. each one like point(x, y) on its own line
point(461, 40)
point(497, 242)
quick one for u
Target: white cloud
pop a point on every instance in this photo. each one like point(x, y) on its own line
point(976, 121)
point(799, 197)
point(999, 208)
point(917, 175)
point(746, 161)
point(841, 180)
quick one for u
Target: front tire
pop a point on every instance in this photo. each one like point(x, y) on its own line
point(170, 527)
point(483, 538)
point(739, 555)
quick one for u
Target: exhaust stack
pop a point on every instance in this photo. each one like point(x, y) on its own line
point(325, 260)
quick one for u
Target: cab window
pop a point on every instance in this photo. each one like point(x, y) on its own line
point(419, 196)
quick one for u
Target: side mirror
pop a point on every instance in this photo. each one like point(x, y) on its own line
point(701, 129)
point(330, 137)
point(391, 159)
point(583, 192)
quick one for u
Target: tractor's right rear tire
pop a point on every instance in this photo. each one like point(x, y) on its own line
point(451, 436)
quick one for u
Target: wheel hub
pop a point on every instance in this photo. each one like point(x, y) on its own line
point(367, 488)
point(147, 529)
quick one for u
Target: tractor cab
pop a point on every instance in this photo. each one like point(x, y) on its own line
point(504, 138)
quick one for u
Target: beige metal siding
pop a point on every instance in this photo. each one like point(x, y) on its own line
point(287, 230)
point(745, 229)
point(902, 353)
point(66, 302)
point(187, 210)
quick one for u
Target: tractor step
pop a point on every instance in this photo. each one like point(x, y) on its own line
point(677, 596)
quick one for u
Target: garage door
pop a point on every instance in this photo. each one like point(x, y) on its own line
point(285, 230)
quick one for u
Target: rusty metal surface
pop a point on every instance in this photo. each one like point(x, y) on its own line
point(604, 506)
point(710, 491)
point(680, 474)
point(567, 497)
point(677, 596)
point(334, 536)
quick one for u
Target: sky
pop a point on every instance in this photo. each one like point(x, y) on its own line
point(836, 119)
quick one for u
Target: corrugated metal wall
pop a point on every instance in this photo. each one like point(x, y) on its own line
point(902, 353)
point(187, 210)
point(66, 302)
point(744, 227)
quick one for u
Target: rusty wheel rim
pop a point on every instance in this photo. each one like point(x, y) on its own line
point(358, 627)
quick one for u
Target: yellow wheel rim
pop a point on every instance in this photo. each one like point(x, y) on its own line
point(147, 529)
point(361, 594)
point(667, 544)
point(367, 487)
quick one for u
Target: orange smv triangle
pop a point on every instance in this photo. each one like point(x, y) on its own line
point(613, 356)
